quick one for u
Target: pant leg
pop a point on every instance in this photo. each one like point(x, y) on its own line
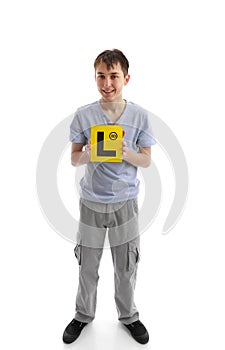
point(125, 260)
point(92, 230)
point(89, 261)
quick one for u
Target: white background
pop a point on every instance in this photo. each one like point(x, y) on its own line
point(176, 54)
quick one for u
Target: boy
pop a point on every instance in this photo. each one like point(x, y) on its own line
point(109, 196)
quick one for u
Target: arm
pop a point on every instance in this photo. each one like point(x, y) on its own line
point(141, 158)
point(78, 156)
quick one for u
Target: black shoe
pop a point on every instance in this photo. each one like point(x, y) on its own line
point(138, 332)
point(73, 331)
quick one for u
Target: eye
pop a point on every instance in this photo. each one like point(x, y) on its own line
point(101, 76)
point(114, 77)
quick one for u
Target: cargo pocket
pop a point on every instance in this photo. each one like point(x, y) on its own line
point(77, 252)
point(133, 255)
point(135, 205)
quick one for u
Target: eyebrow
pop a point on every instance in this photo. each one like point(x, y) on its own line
point(100, 73)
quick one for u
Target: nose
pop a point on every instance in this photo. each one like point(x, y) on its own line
point(107, 82)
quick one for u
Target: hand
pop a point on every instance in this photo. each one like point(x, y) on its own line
point(124, 146)
point(88, 147)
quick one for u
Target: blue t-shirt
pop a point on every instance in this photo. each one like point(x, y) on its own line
point(111, 182)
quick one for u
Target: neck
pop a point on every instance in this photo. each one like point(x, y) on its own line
point(113, 106)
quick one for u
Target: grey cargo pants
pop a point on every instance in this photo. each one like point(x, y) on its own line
point(121, 219)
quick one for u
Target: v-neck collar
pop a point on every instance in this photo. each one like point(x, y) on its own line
point(109, 121)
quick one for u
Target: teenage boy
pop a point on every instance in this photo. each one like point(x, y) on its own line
point(108, 194)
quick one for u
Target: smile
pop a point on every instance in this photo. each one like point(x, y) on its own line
point(108, 92)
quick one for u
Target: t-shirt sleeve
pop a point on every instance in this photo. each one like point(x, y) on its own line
point(76, 132)
point(145, 136)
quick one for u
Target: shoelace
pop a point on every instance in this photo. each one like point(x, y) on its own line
point(73, 321)
point(137, 322)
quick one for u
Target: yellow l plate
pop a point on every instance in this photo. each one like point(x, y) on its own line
point(106, 143)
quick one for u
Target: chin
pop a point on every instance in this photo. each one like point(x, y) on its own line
point(108, 98)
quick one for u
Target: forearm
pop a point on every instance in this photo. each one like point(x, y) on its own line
point(137, 159)
point(80, 158)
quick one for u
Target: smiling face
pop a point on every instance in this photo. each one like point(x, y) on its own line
point(110, 82)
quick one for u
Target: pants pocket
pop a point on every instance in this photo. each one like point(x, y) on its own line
point(135, 205)
point(133, 255)
point(77, 252)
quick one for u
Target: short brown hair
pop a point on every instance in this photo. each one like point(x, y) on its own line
point(111, 57)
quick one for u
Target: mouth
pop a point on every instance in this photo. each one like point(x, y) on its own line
point(108, 92)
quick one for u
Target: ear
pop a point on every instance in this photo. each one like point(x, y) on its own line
point(126, 79)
